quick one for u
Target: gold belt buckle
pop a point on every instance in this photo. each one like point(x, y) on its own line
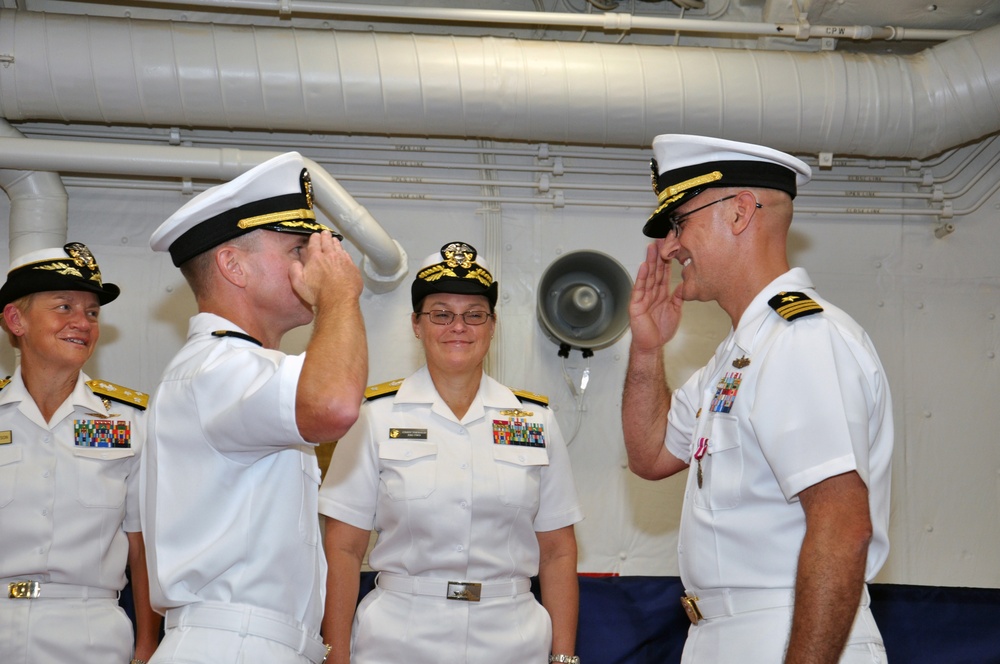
point(23, 589)
point(464, 591)
point(690, 604)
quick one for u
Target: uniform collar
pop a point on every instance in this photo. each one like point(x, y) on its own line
point(15, 391)
point(206, 323)
point(81, 397)
point(419, 388)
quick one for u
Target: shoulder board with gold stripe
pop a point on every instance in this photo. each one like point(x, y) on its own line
point(791, 305)
point(4, 382)
point(134, 398)
point(525, 395)
point(382, 389)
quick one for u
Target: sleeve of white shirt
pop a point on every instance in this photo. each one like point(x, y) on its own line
point(558, 504)
point(246, 401)
point(812, 405)
point(350, 489)
point(131, 523)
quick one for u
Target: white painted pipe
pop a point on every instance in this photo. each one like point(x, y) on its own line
point(38, 205)
point(384, 265)
point(604, 21)
point(155, 73)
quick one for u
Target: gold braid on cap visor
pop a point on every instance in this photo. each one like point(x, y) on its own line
point(674, 192)
point(481, 275)
point(67, 270)
point(435, 272)
point(289, 218)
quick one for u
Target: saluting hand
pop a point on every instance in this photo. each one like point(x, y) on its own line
point(654, 311)
point(326, 272)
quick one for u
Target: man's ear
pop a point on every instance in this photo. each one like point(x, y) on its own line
point(746, 208)
point(229, 262)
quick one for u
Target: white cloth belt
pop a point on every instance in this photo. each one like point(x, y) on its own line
point(719, 602)
point(253, 621)
point(469, 591)
point(31, 589)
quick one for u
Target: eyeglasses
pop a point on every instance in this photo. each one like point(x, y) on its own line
point(445, 317)
point(677, 219)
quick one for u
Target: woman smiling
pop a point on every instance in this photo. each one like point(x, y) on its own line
point(69, 460)
point(468, 485)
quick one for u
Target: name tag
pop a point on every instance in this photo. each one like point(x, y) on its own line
point(408, 434)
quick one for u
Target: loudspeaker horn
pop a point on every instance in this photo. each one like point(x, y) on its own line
point(583, 301)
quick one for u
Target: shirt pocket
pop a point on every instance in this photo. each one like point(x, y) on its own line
point(722, 467)
point(10, 461)
point(408, 468)
point(101, 475)
point(519, 474)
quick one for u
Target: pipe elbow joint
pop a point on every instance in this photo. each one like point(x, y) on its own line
point(381, 280)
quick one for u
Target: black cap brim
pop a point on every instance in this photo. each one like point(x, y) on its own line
point(19, 286)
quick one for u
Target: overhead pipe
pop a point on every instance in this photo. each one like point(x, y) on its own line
point(604, 21)
point(384, 265)
point(121, 71)
point(39, 205)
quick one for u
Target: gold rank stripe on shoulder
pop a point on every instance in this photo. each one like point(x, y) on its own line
point(134, 398)
point(791, 305)
point(4, 382)
point(383, 389)
point(525, 395)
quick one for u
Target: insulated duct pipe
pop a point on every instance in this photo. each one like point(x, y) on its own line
point(384, 264)
point(39, 205)
point(155, 73)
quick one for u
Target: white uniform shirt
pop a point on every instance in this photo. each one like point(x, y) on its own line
point(229, 502)
point(812, 402)
point(445, 499)
point(65, 507)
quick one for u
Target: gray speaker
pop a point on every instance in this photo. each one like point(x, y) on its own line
point(583, 301)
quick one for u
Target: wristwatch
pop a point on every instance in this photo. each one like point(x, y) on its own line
point(564, 659)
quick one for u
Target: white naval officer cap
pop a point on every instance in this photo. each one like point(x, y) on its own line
point(684, 165)
point(276, 196)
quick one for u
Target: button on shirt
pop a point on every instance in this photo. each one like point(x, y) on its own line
point(229, 510)
point(65, 508)
point(810, 401)
point(445, 499)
